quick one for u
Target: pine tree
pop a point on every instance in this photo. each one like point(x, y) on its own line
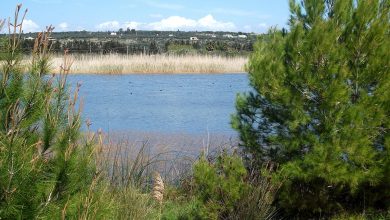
point(321, 106)
point(44, 170)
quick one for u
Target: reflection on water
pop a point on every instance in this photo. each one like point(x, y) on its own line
point(184, 103)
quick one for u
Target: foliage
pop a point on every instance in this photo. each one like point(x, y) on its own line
point(183, 210)
point(44, 171)
point(223, 189)
point(180, 49)
point(320, 107)
point(219, 186)
point(153, 48)
point(95, 43)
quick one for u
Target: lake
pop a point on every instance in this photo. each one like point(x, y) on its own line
point(192, 104)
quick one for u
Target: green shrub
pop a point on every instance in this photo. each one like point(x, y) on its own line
point(223, 189)
point(219, 186)
point(184, 210)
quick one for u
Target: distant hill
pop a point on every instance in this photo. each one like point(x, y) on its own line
point(132, 41)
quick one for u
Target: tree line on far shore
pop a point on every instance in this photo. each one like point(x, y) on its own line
point(147, 47)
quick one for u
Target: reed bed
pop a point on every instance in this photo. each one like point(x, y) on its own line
point(123, 64)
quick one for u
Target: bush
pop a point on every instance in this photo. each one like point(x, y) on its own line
point(320, 107)
point(183, 210)
point(219, 186)
point(224, 190)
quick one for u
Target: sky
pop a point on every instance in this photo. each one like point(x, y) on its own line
point(161, 15)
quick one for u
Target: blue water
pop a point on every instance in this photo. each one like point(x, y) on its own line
point(182, 103)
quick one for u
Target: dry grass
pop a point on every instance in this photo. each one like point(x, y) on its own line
point(122, 64)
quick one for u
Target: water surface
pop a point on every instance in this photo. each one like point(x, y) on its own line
point(161, 103)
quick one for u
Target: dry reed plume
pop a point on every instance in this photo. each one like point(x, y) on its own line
point(122, 64)
point(158, 188)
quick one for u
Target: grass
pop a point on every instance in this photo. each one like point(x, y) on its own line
point(123, 64)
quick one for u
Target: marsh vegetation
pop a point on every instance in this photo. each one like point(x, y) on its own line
point(168, 64)
point(314, 133)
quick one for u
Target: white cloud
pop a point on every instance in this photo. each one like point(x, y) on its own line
point(30, 26)
point(115, 25)
point(108, 25)
point(164, 5)
point(172, 23)
point(63, 26)
point(206, 23)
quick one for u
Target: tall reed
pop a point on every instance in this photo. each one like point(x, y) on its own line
point(122, 64)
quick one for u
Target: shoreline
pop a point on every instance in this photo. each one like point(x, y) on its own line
point(114, 64)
